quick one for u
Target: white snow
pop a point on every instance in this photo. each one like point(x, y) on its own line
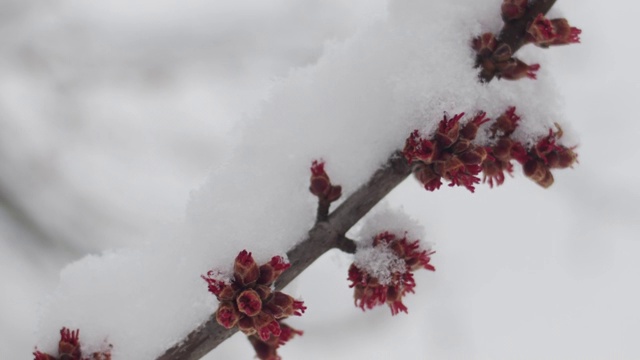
point(353, 103)
point(353, 108)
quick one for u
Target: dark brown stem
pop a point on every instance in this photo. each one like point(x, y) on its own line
point(513, 32)
point(324, 236)
point(323, 210)
point(346, 245)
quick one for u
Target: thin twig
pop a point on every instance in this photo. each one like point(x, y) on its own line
point(323, 210)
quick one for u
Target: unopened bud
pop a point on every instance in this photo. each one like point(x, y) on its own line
point(536, 170)
point(474, 156)
point(245, 269)
point(448, 131)
point(513, 9)
point(518, 70)
point(485, 44)
point(227, 315)
point(249, 302)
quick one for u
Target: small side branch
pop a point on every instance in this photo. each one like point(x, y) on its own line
point(346, 245)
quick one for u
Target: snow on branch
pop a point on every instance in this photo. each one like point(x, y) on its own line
point(354, 108)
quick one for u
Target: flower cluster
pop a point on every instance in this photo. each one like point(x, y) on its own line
point(536, 162)
point(69, 349)
point(496, 57)
point(321, 184)
point(450, 154)
point(267, 350)
point(387, 285)
point(248, 300)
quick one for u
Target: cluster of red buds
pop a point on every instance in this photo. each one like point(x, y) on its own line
point(267, 350)
point(371, 291)
point(536, 162)
point(321, 184)
point(69, 349)
point(248, 300)
point(496, 57)
point(451, 155)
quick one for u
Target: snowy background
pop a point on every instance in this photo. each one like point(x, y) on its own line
point(113, 113)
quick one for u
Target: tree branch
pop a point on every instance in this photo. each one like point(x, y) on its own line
point(322, 237)
point(329, 232)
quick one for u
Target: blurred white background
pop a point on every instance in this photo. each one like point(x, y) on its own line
point(112, 112)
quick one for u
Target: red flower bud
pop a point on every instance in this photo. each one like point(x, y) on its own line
point(517, 69)
point(394, 300)
point(246, 325)
point(565, 158)
point(271, 328)
point(513, 9)
point(227, 315)
point(547, 180)
point(320, 184)
point(541, 31)
point(427, 177)
point(245, 269)
point(519, 153)
point(249, 302)
point(502, 150)
point(546, 146)
point(565, 33)
point(216, 285)
point(448, 131)
point(493, 171)
point(69, 345)
point(474, 156)
point(538, 171)
point(270, 271)
point(470, 129)
point(69, 349)
point(418, 149)
point(485, 44)
point(502, 54)
point(506, 123)
point(544, 32)
point(266, 349)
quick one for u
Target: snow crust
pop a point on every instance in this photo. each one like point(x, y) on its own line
point(352, 108)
